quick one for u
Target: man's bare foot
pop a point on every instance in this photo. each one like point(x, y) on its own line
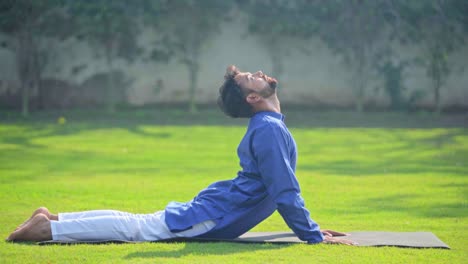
point(40, 210)
point(37, 229)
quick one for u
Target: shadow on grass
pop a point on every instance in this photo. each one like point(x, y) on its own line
point(63, 161)
point(391, 159)
point(205, 249)
point(211, 115)
point(436, 153)
point(388, 166)
point(45, 124)
point(34, 131)
point(416, 205)
point(350, 119)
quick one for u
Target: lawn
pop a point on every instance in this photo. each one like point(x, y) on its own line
point(409, 173)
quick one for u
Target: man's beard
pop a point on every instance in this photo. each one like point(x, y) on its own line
point(271, 81)
point(270, 89)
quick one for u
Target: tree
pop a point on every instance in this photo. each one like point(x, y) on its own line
point(26, 23)
point(110, 26)
point(276, 23)
point(354, 29)
point(184, 28)
point(393, 84)
point(439, 27)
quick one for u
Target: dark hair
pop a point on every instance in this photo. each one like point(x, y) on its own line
point(232, 100)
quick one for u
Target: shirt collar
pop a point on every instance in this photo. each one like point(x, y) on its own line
point(272, 114)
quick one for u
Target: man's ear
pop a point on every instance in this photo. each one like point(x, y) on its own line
point(253, 98)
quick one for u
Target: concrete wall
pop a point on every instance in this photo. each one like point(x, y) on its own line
point(317, 77)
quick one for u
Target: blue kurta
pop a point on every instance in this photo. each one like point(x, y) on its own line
point(266, 183)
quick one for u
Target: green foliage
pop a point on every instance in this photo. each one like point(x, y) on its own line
point(394, 75)
point(280, 18)
point(184, 28)
point(26, 23)
point(189, 24)
point(353, 29)
point(16, 15)
point(112, 27)
point(439, 28)
point(351, 179)
point(393, 83)
point(276, 23)
point(110, 24)
point(359, 31)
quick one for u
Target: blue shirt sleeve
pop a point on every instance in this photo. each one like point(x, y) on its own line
point(272, 149)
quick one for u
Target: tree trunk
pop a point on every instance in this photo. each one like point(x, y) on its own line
point(437, 84)
point(38, 67)
point(193, 78)
point(435, 73)
point(24, 99)
point(35, 68)
point(110, 97)
point(359, 102)
point(23, 63)
point(361, 81)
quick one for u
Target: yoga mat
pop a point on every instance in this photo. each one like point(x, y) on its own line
point(366, 239)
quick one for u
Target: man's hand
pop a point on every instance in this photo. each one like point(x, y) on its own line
point(331, 237)
point(332, 233)
point(336, 240)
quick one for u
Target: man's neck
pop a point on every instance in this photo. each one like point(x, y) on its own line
point(270, 104)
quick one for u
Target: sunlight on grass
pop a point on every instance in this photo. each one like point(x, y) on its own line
point(352, 179)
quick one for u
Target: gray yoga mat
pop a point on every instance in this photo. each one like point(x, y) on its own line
point(367, 238)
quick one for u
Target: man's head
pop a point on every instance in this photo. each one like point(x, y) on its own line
point(241, 92)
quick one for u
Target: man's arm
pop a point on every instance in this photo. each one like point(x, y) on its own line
point(270, 147)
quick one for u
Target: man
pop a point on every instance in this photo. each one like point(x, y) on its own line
point(225, 209)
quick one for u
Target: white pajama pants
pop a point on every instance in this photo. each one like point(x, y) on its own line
point(116, 225)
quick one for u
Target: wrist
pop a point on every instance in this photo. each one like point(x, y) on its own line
point(319, 238)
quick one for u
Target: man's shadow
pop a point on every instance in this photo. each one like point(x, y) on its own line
point(204, 249)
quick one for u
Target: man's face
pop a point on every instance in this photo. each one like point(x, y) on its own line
point(257, 82)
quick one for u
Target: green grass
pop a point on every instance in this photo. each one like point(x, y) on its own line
point(356, 178)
